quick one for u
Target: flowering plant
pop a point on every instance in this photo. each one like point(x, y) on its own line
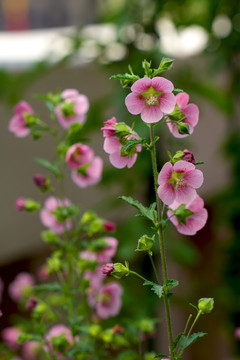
point(75, 293)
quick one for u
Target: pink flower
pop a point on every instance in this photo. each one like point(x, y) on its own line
point(55, 332)
point(78, 155)
point(30, 350)
point(20, 284)
point(178, 182)
point(91, 175)
point(10, 336)
point(190, 111)
point(20, 204)
point(114, 146)
point(237, 333)
point(43, 273)
point(17, 124)
point(194, 222)
point(72, 109)
point(49, 218)
point(108, 252)
point(151, 98)
point(109, 303)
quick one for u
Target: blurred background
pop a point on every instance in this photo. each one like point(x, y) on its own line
point(52, 45)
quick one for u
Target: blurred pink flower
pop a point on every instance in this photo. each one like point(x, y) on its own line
point(20, 284)
point(72, 109)
point(56, 331)
point(78, 155)
point(108, 252)
point(178, 182)
point(190, 111)
point(109, 303)
point(30, 350)
point(10, 336)
point(91, 175)
point(114, 146)
point(194, 222)
point(20, 203)
point(49, 219)
point(237, 333)
point(109, 226)
point(17, 124)
point(43, 273)
point(151, 98)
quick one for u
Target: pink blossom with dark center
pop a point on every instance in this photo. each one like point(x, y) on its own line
point(49, 219)
point(20, 204)
point(73, 109)
point(10, 336)
point(152, 98)
point(20, 284)
point(109, 303)
point(114, 146)
point(17, 124)
point(190, 111)
point(178, 182)
point(91, 175)
point(194, 222)
point(78, 155)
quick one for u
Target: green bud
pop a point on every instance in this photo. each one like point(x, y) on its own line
point(31, 205)
point(206, 305)
point(88, 217)
point(50, 237)
point(183, 128)
point(120, 270)
point(95, 330)
point(145, 243)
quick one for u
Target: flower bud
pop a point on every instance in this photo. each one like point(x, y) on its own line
point(109, 226)
point(107, 269)
point(20, 203)
point(118, 329)
point(188, 156)
point(120, 270)
point(206, 305)
point(145, 243)
point(41, 181)
point(31, 304)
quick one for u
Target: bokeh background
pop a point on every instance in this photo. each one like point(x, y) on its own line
point(51, 45)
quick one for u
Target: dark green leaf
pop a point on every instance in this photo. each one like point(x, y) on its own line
point(192, 339)
point(48, 287)
point(178, 338)
point(165, 64)
point(157, 289)
point(148, 212)
point(47, 165)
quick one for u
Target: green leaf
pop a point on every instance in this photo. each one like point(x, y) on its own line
point(192, 339)
point(161, 356)
point(157, 289)
point(165, 64)
point(132, 144)
point(147, 212)
point(178, 338)
point(125, 77)
point(177, 91)
point(51, 167)
point(48, 287)
point(75, 134)
point(171, 283)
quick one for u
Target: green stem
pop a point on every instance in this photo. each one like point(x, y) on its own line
point(161, 242)
point(138, 275)
point(190, 330)
point(154, 267)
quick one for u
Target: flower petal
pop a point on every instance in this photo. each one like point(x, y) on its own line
point(183, 166)
point(165, 173)
point(161, 84)
point(167, 102)
point(151, 114)
point(134, 103)
point(141, 85)
point(111, 145)
point(117, 160)
point(185, 194)
point(194, 178)
point(191, 112)
point(166, 193)
point(182, 100)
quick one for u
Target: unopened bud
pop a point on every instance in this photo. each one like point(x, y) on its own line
point(118, 329)
point(20, 203)
point(120, 270)
point(109, 226)
point(206, 305)
point(107, 269)
point(188, 156)
point(41, 181)
point(32, 303)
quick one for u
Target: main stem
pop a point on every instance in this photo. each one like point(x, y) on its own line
point(161, 242)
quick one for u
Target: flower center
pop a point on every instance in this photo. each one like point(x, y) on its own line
point(77, 155)
point(151, 97)
point(106, 299)
point(177, 180)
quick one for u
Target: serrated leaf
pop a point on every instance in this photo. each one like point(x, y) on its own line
point(192, 339)
point(133, 143)
point(148, 212)
point(157, 289)
point(164, 65)
point(161, 356)
point(125, 77)
point(171, 283)
point(178, 338)
point(47, 165)
point(48, 287)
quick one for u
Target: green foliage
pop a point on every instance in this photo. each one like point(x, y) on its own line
point(53, 168)
point(160, 290)
point(186, 342)
point(148, 212)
